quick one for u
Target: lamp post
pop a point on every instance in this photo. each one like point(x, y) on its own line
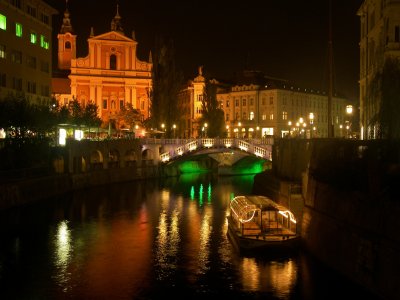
point(174, 128)
point(257, 131)
point(311, 116)
point(227, 131)
point(240, 129)
point(290, 128)
point(205, 129)
point(349, 112)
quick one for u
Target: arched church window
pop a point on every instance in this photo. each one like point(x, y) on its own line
point(113, 62)
point(67, 45)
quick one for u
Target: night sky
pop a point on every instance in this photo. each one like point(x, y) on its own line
point(286, 39)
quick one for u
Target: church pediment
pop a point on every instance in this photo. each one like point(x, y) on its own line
point(112, 36)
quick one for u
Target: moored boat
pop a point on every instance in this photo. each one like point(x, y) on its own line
point(259, 223)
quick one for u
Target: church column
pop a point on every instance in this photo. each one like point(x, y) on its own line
point(98, 54)
point(92, 57)
point(128, 94)
point(73, 89)
point(133, 97)
point(127, 51)
point(92, 92)
point(99, 99)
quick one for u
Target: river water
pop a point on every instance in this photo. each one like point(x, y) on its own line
point(149, 240)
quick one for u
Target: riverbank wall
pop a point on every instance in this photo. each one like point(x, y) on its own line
point(347, 205)
point(27, 190)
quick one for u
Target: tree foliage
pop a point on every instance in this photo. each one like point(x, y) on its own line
point(167, 83)
point(22, 118)
point(129, 116)
point(212, 114)
point(385, 87)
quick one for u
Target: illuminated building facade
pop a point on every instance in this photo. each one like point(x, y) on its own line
point(25, 49)
point(258, 106)
point(190, 101)
point(380, 39)
point(110, 75)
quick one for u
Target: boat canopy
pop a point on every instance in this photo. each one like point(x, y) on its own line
point(245, 207)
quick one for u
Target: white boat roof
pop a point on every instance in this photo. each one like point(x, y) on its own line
point(250, 202)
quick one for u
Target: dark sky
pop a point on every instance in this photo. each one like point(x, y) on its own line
point(287, 39)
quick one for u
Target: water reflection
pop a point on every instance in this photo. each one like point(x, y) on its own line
point(147, 240)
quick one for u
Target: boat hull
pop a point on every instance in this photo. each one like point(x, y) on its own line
point(272, 243)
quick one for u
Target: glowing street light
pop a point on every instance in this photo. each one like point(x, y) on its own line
point(205, 129)
point(174, 128)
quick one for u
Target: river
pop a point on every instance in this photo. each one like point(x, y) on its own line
point(149, 240)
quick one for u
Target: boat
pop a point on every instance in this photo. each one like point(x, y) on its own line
point(259, 223)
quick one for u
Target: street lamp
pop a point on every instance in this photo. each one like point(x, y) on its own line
point(290, 128)
point(205, 129)
point(174, 128)
point(349, 112)
point(257, 129)
point(227, 131)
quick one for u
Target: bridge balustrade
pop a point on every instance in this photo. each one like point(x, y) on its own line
point(258, 147)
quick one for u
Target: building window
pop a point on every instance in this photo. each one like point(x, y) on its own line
point(43, 42)
point(252, 115)
point(264, 117)
point(227, 103)
point(17, 84)
point(121, 104)
point(237, 102)
point(44, 18)
point(397, 34)
point(18, 29)
point(46, 92)
point(244, 102)
point(31, 87)
point(2, 51)
point(67, 45)
point(227, 117)
point(31, 10)
point(244, 115)
point(31, 61)
point(16, 57)
point(263, 101)
point(237, 116)
point(105, 102)
point(44, 66)
point(284, 115)
point(16, 3)
point(271, 100)
point(3, 80)
point(112, 104)
point(113, 62)
point(251, 101)
point(33, 37)
point(271, 117)
point(3, 22)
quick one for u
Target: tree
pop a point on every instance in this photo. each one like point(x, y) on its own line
point(129, 116)
point(167, 83)
point(385, 91)
point(89, 115)
point(212, 114)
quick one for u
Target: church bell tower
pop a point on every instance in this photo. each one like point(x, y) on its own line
point(66, 42)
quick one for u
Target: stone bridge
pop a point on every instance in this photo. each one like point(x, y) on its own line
point(170, 149)
point(88, 155)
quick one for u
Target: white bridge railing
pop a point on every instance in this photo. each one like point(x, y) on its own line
point(258, 147)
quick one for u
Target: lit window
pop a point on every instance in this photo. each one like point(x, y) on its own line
point(284, 115)
point(33, 37)
point(252, 115)
point(18, 29)
point(43, 42)
point(2, 51)
point(3, 22)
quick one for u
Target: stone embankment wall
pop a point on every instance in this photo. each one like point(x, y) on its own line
point(350, 210)
point(29, 190)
